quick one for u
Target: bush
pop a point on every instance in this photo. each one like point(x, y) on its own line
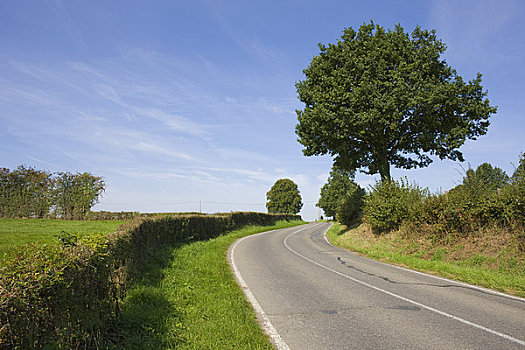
point(486, 196)
point(390, 203)
point(351, 207)
point(67, 296)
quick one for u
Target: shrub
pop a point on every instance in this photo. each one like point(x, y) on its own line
point(486, 196)
point(67, 296)
point(389, 203)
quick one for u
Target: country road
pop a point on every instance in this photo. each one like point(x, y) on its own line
point(310, 295)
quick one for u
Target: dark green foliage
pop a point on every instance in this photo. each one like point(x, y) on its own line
point(484, 180)
point(518, 178)
point(67, 296)
point(75, 194)
point(67, 239)
point(26, 192)
point(350, 208)
point(380, 98)
point(389, 203)
point(284, 198)
point(335, 191)
point(517, 190)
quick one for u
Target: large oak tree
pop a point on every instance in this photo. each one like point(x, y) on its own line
point(379, 98)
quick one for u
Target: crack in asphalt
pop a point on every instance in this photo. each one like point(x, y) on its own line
point(347, 310)
point(386, 279)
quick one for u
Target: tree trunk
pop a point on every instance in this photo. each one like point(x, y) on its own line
point(384, 168)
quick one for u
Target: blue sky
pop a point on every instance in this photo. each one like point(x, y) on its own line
point(188, 104)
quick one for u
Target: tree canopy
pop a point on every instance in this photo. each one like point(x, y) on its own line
point(486, 177)
point(335, 189)
point(519, 174)
point(284, 198)
point(379, 98)
point(27, 192)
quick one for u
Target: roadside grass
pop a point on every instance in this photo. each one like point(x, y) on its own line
point(500, 270)
point(16, 232)
point(186, 297)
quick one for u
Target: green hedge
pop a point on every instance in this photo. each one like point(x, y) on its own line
point(389, 203)
point(129, 215)
point(62, 296)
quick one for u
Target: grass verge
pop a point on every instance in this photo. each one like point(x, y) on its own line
point(187, 298)
point(469, 259)
point(15, 232)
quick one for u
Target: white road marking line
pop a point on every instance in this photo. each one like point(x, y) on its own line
point(459, 283)
point(326, 238)
point(267, 326)
point(475, 325)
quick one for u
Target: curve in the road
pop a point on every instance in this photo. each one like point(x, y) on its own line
point(265, 322)
point(475, 325)
point(295, 280)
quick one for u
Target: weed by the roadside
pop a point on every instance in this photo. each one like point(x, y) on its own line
point(488, 259)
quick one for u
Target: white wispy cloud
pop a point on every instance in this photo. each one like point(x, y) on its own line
point(172, 121)
point(156, 149)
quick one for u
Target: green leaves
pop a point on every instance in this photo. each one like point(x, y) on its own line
point(389, 203)
point(68, 295)
point(385, 97)
point(284, 198)
point(335, 190)
point(27, 192)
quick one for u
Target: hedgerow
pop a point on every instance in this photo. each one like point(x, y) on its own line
point(389, 203)
point(486, 197)
point(67, 296)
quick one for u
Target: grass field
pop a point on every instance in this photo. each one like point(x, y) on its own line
point(483, 260)
point(187, 298)
point(15, 232)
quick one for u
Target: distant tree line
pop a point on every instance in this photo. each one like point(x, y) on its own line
point(28, 192)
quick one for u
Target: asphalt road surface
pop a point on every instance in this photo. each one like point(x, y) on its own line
point(311, 295)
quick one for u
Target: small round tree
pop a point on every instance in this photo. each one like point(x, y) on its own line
point(284, 198)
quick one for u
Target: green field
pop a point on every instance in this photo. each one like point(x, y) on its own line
point(16, 232)
point(186, 298)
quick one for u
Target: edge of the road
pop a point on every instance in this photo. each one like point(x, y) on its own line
point(262, 318)
point(464, 284)
point(398, 296)
point(275, 337)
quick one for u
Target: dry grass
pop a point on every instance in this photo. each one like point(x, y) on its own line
point(492, 257)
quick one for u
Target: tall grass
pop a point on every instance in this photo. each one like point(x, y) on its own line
point(484, 260)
